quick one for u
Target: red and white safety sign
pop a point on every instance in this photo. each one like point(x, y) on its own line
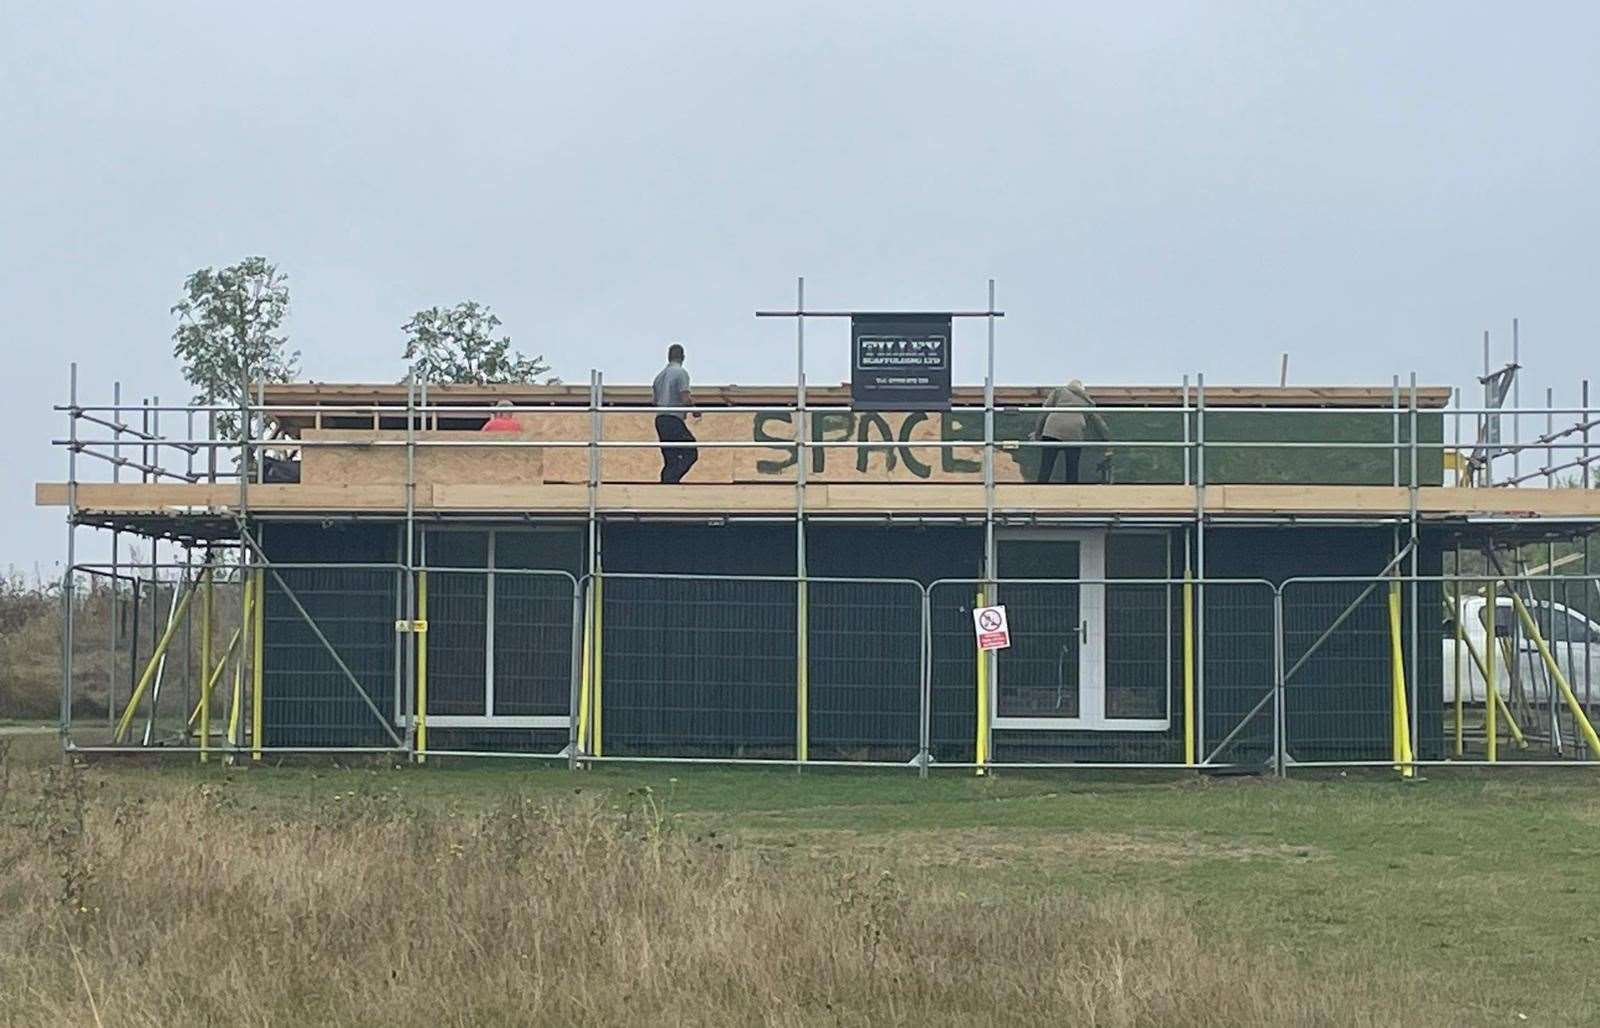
point(990, 625)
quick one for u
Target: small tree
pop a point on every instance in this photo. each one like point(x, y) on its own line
point(457, 344)
point(228, 324)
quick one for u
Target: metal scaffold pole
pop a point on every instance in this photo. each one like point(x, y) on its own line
point(1590, 476)
point(409, 636)
point(246, 586)
point(1200, 563)
point(1416, 628)
point(990, 571)
point(1394, 432)
point(1486, 420)
point(802, 738)
point(1280, 722)
point(597, 394)
point(1516, 401)
point(72, 541)
point(116, 537)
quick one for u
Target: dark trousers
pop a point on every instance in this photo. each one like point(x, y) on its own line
point(1047, 460)
point(675, 460)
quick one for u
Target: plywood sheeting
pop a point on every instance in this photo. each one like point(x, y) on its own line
point(635, 463)
point(374, 458)
point(224, 496)
point(856, 447)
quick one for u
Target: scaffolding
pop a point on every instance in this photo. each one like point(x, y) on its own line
point(210, 505)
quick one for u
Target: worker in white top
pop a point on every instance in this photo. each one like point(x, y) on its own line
point(671, 391)
point(1064, 431)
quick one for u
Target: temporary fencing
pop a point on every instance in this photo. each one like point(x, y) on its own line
point(1118, 672)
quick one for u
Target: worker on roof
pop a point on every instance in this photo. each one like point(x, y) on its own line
point(1063, 432)
point(670, 393)
point(502, 420)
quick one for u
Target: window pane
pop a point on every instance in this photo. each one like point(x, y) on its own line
point(1138, 624)
point(457, 622)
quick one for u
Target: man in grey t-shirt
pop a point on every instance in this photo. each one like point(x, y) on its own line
point(671, 390)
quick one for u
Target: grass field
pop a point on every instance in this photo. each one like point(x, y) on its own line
point(514, 894)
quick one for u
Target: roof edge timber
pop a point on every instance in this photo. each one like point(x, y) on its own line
point(337, 394)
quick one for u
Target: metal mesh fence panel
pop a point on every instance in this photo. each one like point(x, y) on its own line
point(532, 643)
point(953, 670)
point(307, 699)
point(1338, 690)
point(1095, 669)
point(458, 622)
point(118, 623)
point(458, 641)
point(1237, 672)
point(699, 666)
point(864, 667)
point(1534, 718)
point(1142, 662)
point(1340, 664)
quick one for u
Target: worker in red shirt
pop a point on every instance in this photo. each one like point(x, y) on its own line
point(502, 420)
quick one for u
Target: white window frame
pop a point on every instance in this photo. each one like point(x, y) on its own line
point(488, 719)
point(1091, 654)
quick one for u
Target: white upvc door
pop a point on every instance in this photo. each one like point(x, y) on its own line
point(1053, 675)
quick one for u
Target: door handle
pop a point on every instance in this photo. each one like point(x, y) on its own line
point(1083, 633)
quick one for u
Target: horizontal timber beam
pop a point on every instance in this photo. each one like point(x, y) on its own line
point(910, 498)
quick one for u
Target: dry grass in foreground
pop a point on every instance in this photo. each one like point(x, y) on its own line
point(191, 910)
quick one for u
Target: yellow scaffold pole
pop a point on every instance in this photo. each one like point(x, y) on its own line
point(257, 665)
point(237, 699)
point(216, 673)
point(207, 606)
point(981, 752)
point(421, 638)
point(1397, 665)
point(599, 662)
point(1188, 668)
point(1554, 667)
point(1491, 731)
point(584, 745)
point(233, 706)
point(126, 721)
point(1471, 649)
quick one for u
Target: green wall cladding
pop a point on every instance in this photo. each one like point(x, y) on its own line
point(1330, 464)
point(707, 667)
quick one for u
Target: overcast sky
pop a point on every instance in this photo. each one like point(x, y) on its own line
point(1156, 188)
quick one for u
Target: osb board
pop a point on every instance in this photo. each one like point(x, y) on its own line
point(632, 464)
point(188, 497)
point(880, 448)
point(386, 465)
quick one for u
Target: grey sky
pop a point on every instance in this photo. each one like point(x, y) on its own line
point(1157, 188)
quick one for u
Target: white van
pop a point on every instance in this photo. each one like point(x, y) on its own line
point(1573, 639)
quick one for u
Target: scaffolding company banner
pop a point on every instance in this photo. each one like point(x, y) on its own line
point(900, 361)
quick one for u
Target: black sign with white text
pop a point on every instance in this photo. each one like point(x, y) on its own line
point(900, 361)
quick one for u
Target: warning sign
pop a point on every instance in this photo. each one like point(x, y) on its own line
point(990, 624)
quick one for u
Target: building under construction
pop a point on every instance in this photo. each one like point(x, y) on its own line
point(1241, 577)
